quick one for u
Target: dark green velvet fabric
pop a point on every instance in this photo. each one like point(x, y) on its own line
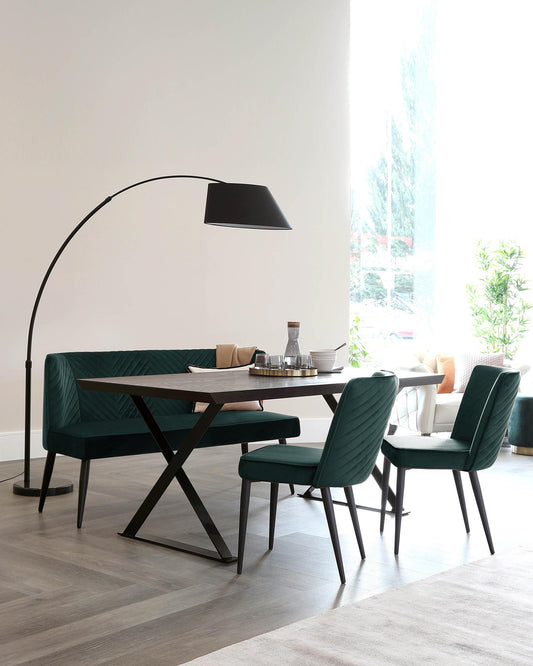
point(494, 418)
point(425, 452)
point(356, 433)
point(281, 464)
point(89, 424)
point(521, 423)
point(124, 437)
point(65, 403)
point(351, 447)
point(478, 432)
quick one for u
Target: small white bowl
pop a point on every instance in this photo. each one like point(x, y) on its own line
point(323, 359)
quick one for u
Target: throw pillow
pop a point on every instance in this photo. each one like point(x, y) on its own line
point(465, 363)
point(252, 405)
point(446, 365)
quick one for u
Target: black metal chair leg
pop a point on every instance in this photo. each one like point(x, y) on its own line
point(400, 487)
point(244, 448)
point(461, 496)
point(332, 524)
point(282, 440)
point(47, 475)
point(273, 506)
point(82, 490)
point(384, 493)
point(243, 521)
point(348, 491)
point(481, 507)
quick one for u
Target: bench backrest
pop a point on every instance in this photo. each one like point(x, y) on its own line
point(65, 403)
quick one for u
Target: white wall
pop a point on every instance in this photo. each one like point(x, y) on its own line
point(97, 95)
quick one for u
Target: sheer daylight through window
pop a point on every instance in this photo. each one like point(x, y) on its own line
point(393, 103)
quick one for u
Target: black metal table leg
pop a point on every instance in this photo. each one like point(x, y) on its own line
point(173, 470)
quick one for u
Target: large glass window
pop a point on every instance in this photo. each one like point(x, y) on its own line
point(393, 105)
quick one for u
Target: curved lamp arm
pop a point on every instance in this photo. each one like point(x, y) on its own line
point(239, 205)
point(75, 231)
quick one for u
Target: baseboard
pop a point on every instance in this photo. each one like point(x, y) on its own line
point(12, 443)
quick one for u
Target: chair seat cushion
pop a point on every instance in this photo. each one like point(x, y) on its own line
point(281, 464)
point(104, 439)
point(412, 451)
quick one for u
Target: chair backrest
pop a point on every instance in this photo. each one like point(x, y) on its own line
point(65, 403)
point(484, 413)
point(356, 432)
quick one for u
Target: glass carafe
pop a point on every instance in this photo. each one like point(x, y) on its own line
point(293, 346)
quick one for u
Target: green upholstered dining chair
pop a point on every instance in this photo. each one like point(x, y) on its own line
point(347, 459)
point(474, 444)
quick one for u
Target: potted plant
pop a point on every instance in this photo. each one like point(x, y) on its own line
point(496, 301)
point(357, 351)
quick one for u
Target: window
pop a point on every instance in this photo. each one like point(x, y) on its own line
point(393, 106)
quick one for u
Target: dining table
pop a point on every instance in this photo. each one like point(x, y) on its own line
point(217, 389)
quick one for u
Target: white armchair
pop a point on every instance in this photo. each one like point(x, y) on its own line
point(423, 408)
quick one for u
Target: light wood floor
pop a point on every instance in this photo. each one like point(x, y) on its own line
point(89, 596)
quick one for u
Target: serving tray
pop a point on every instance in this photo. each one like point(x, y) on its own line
point(269, 372)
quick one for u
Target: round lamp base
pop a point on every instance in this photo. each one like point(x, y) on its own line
point(33, 488)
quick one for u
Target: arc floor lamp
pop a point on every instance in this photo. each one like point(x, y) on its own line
point(237, 205)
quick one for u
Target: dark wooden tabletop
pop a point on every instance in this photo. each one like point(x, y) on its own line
point(222, 387)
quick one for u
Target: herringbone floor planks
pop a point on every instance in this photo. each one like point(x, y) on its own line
point(89, 596)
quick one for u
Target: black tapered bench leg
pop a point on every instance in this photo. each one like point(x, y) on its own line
point(47, 475)
point(82, 490)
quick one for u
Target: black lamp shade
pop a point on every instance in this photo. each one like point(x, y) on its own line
point(243, 206)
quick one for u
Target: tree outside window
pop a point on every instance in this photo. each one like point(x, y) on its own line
point(393, 200)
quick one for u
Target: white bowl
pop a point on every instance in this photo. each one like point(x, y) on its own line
point(323, 359)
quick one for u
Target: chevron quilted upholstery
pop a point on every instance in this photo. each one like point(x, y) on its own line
point(351, 447)
point(89, 424)
point(75, 404)
point(494, 420)
point(480, 385)
point(478, 431)
point(356, 433)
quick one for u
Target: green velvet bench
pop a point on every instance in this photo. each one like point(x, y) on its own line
point(89, 425)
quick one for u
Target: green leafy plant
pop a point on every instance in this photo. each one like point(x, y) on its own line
point(357, 352)
point(496, 301)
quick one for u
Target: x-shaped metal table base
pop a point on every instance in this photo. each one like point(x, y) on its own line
point(175, 470)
